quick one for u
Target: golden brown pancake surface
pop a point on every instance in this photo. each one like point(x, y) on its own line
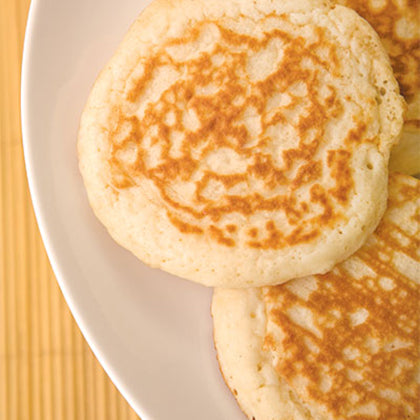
point(343, 345)
point(221, 114)
point(350, 338)
point(224, 132)
point(397, 23)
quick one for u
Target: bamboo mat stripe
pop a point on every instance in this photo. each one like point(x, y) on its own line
point(47, 371)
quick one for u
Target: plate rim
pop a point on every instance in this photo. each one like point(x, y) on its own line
point(60, 277)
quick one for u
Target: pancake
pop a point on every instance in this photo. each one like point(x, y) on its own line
point(242, 143)
point(343, 345)
point(398, 26)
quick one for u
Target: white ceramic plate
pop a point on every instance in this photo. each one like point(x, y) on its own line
point(151, 331)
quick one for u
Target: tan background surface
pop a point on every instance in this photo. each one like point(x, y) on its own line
point(47, 370)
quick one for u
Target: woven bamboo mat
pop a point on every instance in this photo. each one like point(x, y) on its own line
point(47, 371)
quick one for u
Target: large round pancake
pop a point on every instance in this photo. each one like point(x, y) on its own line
point(398, 25)
point(343, 345)
point(240, 143)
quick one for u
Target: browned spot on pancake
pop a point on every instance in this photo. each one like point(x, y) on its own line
point(184, 227)
point(217, 234)
point(299, 235)
point(319, 196)
point(304, 207)
point(270, 225)
point(263, 168)
point(210, 107)
point(269, 342)
point(231, 228)
point(228, 181)
point(356, 134)
point(404, 52)
point(406, 192)
point(360, 345)
point(307, 173)
point(253, 232)
point(339, 163)
point(275, 236)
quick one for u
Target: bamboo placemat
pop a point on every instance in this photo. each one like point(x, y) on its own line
point(47, 371)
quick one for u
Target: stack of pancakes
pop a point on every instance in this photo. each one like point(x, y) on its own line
point(245, 144)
